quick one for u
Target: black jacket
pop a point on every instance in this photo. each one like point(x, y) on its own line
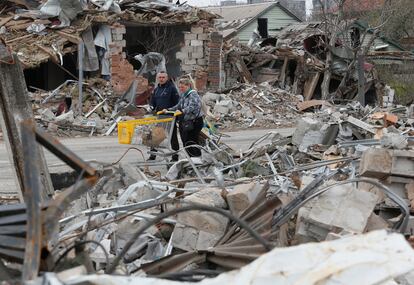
point(164, 96)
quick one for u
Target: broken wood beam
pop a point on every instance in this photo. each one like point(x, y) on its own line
point(283, 72)
point(243, 71)
point(4, 21)
point(70, 37)
point(310, 86)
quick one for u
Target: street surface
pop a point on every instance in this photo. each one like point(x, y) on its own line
point(107, 149)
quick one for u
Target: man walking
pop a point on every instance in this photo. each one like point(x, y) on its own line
point(165, 96)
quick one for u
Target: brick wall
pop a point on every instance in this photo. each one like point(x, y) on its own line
point(122, 72)
point(194, 53)
point(215, 60)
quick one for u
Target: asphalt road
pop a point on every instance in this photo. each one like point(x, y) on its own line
point(107, 149)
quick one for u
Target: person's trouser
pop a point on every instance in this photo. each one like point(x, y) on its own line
point(192, 137)
point(174, 142)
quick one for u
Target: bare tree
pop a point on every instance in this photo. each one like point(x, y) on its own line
point(338, 28)
point(160, 41)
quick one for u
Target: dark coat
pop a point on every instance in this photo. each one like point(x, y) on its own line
point(164, 96)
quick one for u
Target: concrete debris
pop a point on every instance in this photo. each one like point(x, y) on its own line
point(200, 230)
point(242, 196)
point(334, 161)
point(342, 208)
point(248, 105)
point(302, 264)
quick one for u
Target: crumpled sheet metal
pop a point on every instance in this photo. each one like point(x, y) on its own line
point(235, 249)
point(374, 258)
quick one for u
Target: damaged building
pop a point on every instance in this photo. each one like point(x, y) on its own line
point(315, 187)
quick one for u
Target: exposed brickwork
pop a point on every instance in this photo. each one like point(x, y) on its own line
point(194, 53)
point(214, 60)
point(122, 72)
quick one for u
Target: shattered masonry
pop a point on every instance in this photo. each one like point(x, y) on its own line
point(328, 183)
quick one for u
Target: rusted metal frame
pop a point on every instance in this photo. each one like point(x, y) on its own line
point(62, 152)
point(61, 203)
point(32, 186)
point(14, 106)
point(32, 189)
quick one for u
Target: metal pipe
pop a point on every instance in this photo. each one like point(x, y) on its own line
point(80, 85)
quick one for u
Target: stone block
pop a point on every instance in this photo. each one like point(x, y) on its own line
point(202, 37)
point(208, 222)
point(197, 229)
point(65, 118)
point(220, 109)
point(119, 30)
point(242, 196)
point(343, 207)
point(202, 61)
point(130, 174)
point(122, 43)
point(47, 115)
point(197, 55)
point(188, 49)
point(197, 30)
point(189, 61)
point(184, 237)
point(187, 68)
point(196, 43)
point(403, 163)
point(190, 239)
point(181, 55)
point(190, 36)
point(375, 222)
point(304, 125)
point(210, 97)
point(376, 162)
point(117, 37)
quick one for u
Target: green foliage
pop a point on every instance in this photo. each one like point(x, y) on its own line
point(402, 84)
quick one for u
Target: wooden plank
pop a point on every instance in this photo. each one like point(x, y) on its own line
point(52, 55)
point(4, 21)
point(72, 38)
point(310, 86)
point(282, 77)
point(12, 24)
point(312, 103)
point(19, 38)
point(244, 72)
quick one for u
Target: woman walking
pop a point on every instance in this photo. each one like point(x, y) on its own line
point(190, 122)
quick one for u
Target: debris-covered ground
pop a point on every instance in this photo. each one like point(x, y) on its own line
point(330, 204)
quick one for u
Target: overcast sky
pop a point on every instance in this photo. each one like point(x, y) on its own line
point(217, 2)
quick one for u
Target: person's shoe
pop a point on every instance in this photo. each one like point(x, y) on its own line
point(174, 158)
point(152, 157)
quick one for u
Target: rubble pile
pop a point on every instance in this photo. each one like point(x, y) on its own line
point(248, 105)
point(57, 111)
point(41, 30)
point(329, 203)
point(345, 173)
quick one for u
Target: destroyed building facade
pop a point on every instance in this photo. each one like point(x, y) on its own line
point(327, 201)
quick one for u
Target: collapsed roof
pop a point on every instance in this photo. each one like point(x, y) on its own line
point(38, 31)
